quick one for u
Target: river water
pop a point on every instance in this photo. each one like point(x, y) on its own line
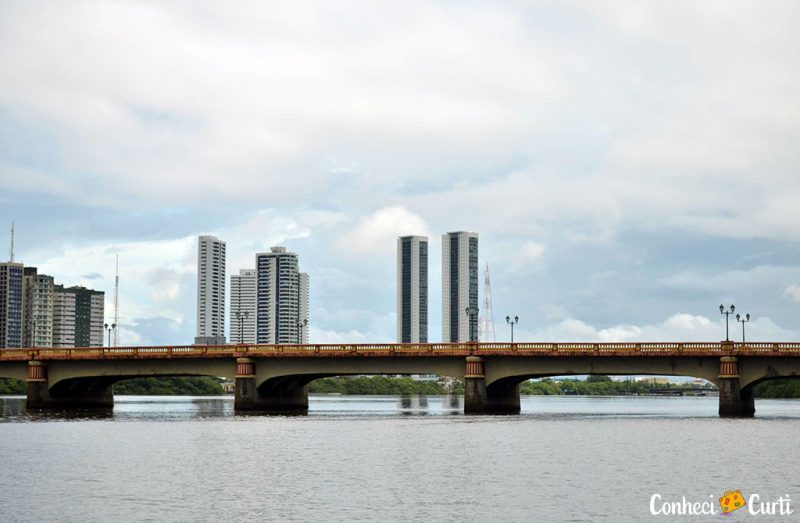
point(391, 458)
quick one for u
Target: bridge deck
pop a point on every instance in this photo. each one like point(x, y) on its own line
point(659, 349)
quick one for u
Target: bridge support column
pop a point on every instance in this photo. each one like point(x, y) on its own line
point(246, 394)
point(732, 403)
point(499, 398)
point(38, 388)
point(68, 394)
point(272, 398)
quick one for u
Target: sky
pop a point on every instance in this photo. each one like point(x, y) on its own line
point(629, 166)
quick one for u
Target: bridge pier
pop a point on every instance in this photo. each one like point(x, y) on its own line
point(733, 402)
point(498, 398)
point(288, 397)
point(70, 394)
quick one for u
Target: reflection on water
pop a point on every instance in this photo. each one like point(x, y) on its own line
point(388, 458)
point(164, 408)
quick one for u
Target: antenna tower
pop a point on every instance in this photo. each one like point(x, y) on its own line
point(116, 303)
point(487, 322)
point(12, 243)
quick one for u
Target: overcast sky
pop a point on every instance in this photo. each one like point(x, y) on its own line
point(628, 165)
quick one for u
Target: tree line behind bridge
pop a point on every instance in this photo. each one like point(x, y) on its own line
point(383, 385)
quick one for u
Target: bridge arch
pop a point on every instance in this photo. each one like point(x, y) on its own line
point(15, 370)
point(755, 370)
point(505, 372)
point(89, 384)
point(748, 391)
point(281, 385)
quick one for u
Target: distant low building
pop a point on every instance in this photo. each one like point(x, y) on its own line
point(656, 380)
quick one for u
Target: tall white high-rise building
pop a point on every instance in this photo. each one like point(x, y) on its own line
point(210, 291)
point(243, 306)
point(282, 298)
point(63, 318)
point(11, 305)
point(37, 289)
point(459, 287)
point(412, 289)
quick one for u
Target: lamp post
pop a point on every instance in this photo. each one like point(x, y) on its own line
point(241, 316)
point(743, 321)
point(512, 323)
point(726, 313)
point(300, 325)
point(109, 328)
point(472, 312)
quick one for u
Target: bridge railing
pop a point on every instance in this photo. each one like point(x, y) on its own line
point(376, 349)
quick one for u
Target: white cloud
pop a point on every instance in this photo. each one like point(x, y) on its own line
point(678, 327)
point(377, 233)
point(793, 292)
point(759, 277)
point(334, 129)
point(350, 336)
point(527, 257)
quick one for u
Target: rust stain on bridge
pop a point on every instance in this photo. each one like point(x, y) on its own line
point(660, 349)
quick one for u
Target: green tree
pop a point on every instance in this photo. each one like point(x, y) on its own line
point(11, 386)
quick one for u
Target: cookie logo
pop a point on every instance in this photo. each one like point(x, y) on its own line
point(732, 500)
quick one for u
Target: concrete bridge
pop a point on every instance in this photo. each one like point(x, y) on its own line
point(274, 378)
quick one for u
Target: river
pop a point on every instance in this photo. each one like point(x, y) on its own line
point(392, 458)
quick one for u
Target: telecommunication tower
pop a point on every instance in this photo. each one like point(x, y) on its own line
point(486, 330)
point(11, 256)
point(116, 302)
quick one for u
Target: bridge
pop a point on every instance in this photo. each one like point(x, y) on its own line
point(275, 378)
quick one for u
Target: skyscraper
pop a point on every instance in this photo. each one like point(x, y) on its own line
point(89, 316)
point(282, 298)
point(11, 305)
point(210, 291)
point(37, 317)
point(459, 286)
point(412, 289)
point(243, 307)
point(63, 317)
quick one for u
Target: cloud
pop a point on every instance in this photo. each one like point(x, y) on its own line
point(793, 292)
point(678, 327)
point(759, 277)
point(377, 232)
point(333, 336)
point(289, 85)
point(582, 136)
point(527, 257)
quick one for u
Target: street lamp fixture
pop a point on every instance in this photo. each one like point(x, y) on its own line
point(743, 320)
point(241, 316)
point(301, 324)
point(108, 329)
point(472, 314)
point(512, 323)
point(726, 313)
